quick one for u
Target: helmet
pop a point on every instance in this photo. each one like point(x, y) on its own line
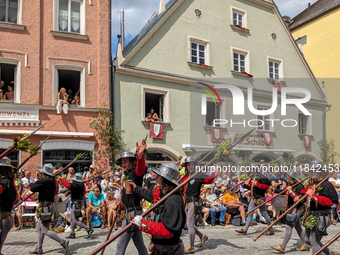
point(293, 174)
point(189, 160)
point(77, 177)
point(169, 172)
point(6, 162)
point(126, 154)
point(47, 169)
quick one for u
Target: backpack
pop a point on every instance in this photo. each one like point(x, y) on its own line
point(95, 220)
point(236, 221)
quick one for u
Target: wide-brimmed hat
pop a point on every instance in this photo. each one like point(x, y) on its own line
point(168, 171)
point(126, 154)
point(47, 169)
point(6, 162)
point(207, 186)
point(77, 177)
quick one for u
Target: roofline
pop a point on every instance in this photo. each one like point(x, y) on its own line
point(298, 51)
point(316, 17)
point(180, 79)
point(150, 34)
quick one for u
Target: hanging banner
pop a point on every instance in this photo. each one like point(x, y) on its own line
point(156, 130)
point(267, 138)
point(216, 135)
point(306, 140)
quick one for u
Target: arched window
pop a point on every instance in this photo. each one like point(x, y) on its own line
point(154, 158)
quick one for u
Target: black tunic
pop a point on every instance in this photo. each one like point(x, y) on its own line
point(77, 191)
point(133, 199)
point(257, 192)
point(329, 191)
point(172, 215)
point(297, 189)
point(193, 189)
point(46, 188)
point(8, 196)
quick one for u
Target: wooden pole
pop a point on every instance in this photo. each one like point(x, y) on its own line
point(291, 208)
point(327, 244)
point(275, 196)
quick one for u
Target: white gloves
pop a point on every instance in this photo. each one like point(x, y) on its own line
point(137, 220)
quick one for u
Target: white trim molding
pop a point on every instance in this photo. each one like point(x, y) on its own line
point(206, 43)
point(240, 51)
point(5, 143)
point(18, 115)
point(68, 145)
point(55, 78)
point(19, 53)
point(70, 59)
point(55, 133)
point(239, 11)
point(281, 70)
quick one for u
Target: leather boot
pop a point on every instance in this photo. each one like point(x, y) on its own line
point(89, 232)
point(278, 248)
point(203, 240)
point(72, 236)
point(303, 248)
point(269, 232)
point(335, 253)
point(36, 251)
point(189, 250)
point(241, 231)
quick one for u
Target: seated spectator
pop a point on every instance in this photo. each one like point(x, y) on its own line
point(154, 115)
point(96, 204)
point(231, 200)
point(111, 204)
point(76, 100)
point(105, 185)
point(70, 96)
point(149, 118)
point(269, 195)
point(2, 86)
point(2, 95)
point(210, 200)
point(10, 93)
point(88, 173)
point(62, 104)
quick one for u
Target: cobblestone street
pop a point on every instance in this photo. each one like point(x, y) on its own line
point(222, 240)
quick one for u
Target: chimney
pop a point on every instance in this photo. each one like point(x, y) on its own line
point(286, 19)
point(161, 7)
point(122, 32)
point(308, 5)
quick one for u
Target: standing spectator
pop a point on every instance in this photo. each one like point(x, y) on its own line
point(70, 96)
point(151, 181)
point(2, 95)
point(96, 204)
point(62, 104)
point(16, 212)
point(2, 86)
point(88, 173)
point(70, 175)
point(10, 93)
point(27, 180)
point(231, 200)
point(213, 205)
point(105, 185)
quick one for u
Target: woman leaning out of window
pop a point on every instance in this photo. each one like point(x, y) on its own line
point(62, 101)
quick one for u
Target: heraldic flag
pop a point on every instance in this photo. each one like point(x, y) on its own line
point(157, 130)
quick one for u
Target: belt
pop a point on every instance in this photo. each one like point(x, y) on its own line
point(130, 209)
point(172, 252)
point(191, 199)
point(322, 212)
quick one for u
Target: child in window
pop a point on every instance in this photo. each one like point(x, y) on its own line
point(149, 118)
point(2, 96)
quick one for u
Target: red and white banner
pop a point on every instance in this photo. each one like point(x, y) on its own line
point(156, 130)
point(278, 84)
point(267, 138)
point(216, 135)
point(306, 140)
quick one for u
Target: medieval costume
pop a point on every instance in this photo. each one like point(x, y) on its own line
point(258, 188)
point(193, 204)
point(294, 217)
point(318, 213)
point(48, 189)
point(8, 198)
point(169, 220)
point(77, 197)
point(130, 203)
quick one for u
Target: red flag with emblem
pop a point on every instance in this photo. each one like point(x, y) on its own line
point(156, 130)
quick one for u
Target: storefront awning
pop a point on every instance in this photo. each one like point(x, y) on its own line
point(54, 133)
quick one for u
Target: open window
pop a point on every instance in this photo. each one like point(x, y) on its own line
point(158, 100)
point(304, 124)
point(7, 81)
point(213, 112)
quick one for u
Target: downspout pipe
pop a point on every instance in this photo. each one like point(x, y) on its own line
point(324, 120)
point(110, 63)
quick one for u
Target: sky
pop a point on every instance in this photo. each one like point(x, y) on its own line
point(138, 12)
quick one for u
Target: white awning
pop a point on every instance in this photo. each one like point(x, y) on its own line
point(54, 133)
point(191, 147)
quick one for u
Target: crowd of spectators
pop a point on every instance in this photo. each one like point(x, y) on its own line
point(152, 116)
point(6, 91)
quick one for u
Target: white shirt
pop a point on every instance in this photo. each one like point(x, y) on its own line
point(26, 181)
point(337, 181)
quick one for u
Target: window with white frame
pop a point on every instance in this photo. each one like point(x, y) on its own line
point(72, 79)
point(70, 16)
point(304, 124)
point(240, 61)
point(155, 105)
point(274, 69)
point(238, 18)
point(262, 120)
point(198, 54)
point(9, 11)
point(213, 112)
